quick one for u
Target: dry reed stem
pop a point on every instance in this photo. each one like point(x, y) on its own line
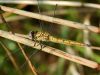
point(60, 3)
point(50, 19)
point(50, 50)
point(59, 12)
point(11, 58)
point(34, 71)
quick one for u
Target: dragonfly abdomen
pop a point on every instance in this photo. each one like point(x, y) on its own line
point(65, 42)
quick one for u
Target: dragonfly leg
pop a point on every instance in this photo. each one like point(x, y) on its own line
point(42, 46)
point(39, 43)
point(34, 42)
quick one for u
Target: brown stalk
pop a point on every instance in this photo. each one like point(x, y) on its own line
point(51, 19)
point(59, 12)
point(50, 50)
point(28, 60)
point(11, 57)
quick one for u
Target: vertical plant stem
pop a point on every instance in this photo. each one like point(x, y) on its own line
point(27, 59)
point(11, 57)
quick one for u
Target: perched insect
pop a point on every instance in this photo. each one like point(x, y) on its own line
point(44, 36)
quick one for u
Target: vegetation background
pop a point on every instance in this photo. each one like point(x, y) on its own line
point(45, 63)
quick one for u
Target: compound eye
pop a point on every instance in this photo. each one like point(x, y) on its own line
point(32, 34)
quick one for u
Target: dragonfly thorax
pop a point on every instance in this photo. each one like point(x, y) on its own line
point(42, 36)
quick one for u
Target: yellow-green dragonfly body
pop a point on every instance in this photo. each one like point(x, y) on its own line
point(44, 36)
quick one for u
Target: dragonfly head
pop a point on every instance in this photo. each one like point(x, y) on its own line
point(32, 34)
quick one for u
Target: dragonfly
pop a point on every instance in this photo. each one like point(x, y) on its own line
point(44, 36)
point(41, 36)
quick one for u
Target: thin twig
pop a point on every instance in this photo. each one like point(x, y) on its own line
point(50, 50)
point(60, 3)
point(50, 19)
point(11, 57)
point(28, 60)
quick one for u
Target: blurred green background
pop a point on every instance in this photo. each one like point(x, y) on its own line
point(47, 64)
